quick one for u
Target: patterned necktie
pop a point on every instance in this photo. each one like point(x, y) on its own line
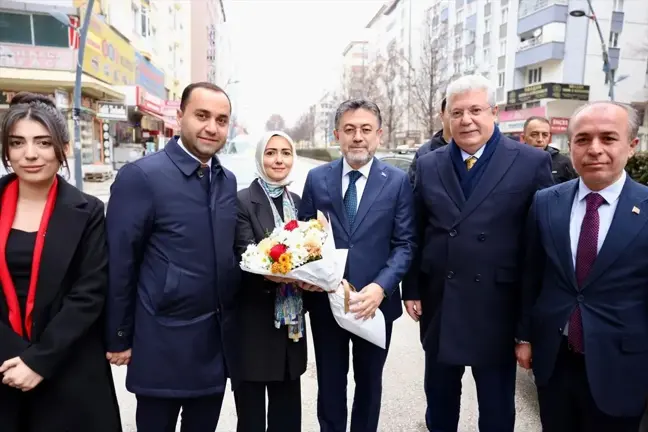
point(585, 256)
point(205, 178)
point(470, 162)
point(351, 197)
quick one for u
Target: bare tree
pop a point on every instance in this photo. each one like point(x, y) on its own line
point(304, 128)
point(275, 122)
point(390, 74)
point(427, 83)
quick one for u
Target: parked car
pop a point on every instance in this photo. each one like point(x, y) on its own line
point(400, 159)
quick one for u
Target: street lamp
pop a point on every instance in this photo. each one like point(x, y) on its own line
point(76, 112)
point(579, 13)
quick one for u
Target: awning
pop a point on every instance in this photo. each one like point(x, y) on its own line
point(34, 80)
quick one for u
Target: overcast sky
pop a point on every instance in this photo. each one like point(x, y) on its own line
point(288, 52)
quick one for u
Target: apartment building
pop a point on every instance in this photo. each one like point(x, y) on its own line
point(355, 64)
point(324, 120)
point(210, 47)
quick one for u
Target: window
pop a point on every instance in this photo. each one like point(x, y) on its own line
point(502, 50)
point(460, 16)
point(458, 41)
point(618, 6)
point(487, 25)
point(487, 55)
point(501, 79)
point(504, 15)
point(146, 23)
point(535, 75)
point(614, 39)
point(28, 29)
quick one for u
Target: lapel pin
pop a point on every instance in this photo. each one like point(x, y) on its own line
point(383, 174)
point(636, 210)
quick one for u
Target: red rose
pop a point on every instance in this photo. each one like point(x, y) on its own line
point(293, 224)
point(277, 251)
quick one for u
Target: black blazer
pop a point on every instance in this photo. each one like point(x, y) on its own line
point(266, 350)
point(67, 347)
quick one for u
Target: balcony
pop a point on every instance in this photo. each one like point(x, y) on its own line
point(535, 50)
point(538, 13)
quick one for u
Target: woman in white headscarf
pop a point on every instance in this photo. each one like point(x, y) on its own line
point(273, 343)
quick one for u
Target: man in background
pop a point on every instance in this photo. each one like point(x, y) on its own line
point(537, 133)
point(438, 140)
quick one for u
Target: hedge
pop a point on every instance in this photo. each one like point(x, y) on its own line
point(322, 154)
point(638, 167)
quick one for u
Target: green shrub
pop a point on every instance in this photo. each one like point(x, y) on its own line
point(637, 167)
point(322, 154)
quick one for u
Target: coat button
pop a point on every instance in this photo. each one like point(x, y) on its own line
point(580, 298)
point(481, 237)
point(477, 278)
point(120, 333)
point(453, 233)
point(450, 275)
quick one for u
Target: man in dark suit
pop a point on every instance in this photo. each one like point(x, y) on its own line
point(438, 140)
point(472, 199)
point(371, 209)
point(537, 133)
point(585, 308)
point(173, 271)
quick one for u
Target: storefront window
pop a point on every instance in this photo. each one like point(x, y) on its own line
point(47, 31)
point(15, 28)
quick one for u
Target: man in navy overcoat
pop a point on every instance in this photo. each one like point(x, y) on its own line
point(472, 199)
point(173, 271)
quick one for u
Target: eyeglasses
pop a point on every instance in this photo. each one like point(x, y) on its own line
point(475, 111)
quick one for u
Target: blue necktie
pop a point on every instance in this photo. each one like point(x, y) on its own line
point(205, 178)
point(351, 197)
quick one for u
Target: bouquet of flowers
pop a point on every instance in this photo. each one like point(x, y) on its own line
point(305, 252)
point(301, 251)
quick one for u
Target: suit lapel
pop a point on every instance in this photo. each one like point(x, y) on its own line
point(263, 212)
point(375, 183)
point(62, 239)
point(500, 162)
point(334, 187)
point(625, 226)
point(449, 178)
point(559, 224)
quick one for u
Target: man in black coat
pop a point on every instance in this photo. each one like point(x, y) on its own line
point(438, 140)
point(537, 133)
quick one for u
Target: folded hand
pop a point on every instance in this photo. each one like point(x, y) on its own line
point(18, 375)
point(414, 309)
point(119, 358)
point(278, 279)
point(365, 302)
point(308, 287)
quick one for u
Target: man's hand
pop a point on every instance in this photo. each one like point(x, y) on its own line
point(365, 303)
point(308, 287)
point(277, 279)
point(523, 354)
point(18, 375)
point(119, 358)
point(414, 309)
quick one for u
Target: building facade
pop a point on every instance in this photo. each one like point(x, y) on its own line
point(210, 48)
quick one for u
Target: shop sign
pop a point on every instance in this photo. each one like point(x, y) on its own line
point(149, 102)
point(111, 111)
point(536, 92)
point(149, 77)
point(62, 99)
point(7, 95)
point(34, 57)
point(510, 127)
point(170, 114)
point(523, 114)
point(108, 56)
point(559, 125)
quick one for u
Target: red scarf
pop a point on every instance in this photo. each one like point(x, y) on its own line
point(7, 213)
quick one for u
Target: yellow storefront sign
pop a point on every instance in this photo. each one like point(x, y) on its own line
point(108, 56)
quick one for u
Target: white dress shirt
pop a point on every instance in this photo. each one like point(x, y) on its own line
point(209, 163)
point(360, 183)
point(465, 156)
point(606, 213)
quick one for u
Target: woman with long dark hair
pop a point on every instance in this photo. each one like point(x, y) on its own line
point(53, 273)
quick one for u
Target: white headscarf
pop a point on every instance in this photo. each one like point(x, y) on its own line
point(260, 150)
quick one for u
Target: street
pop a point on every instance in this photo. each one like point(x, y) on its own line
point(403, 406)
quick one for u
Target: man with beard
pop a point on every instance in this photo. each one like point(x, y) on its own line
point(537, 133)
point(170, 230)
point(370, 206)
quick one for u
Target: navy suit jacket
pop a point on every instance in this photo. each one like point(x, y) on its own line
point(613, 299)
point(382, 243)
point(163, 301)
point(468, 268)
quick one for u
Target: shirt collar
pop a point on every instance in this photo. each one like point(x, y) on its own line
point(610, 193)
point(364, 170)
point(209, 163)
point(477, 154)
